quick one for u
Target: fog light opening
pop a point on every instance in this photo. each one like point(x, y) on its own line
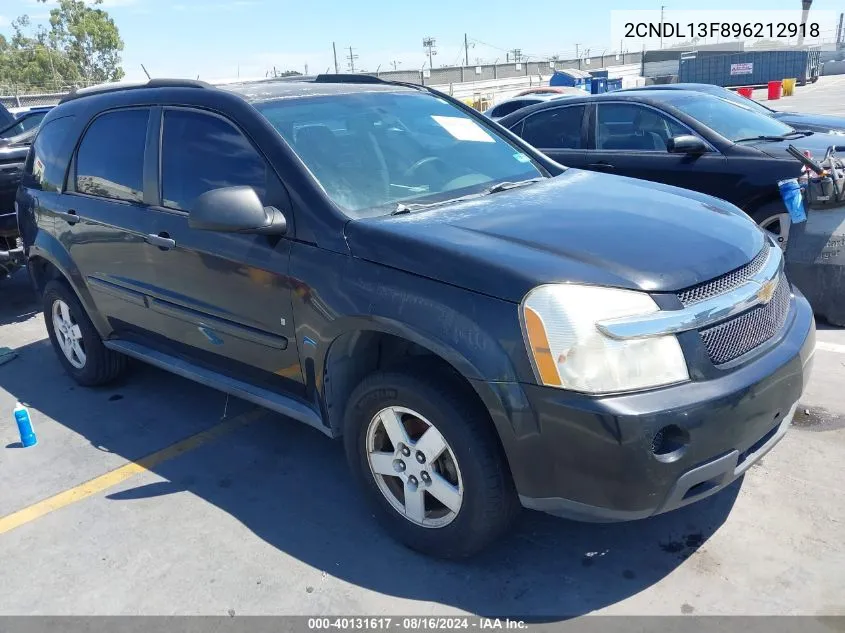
point(670, 443)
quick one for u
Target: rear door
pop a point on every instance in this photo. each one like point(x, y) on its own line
point(225, 298)
point(558, 132)
point(103, 221)
point(630, 139)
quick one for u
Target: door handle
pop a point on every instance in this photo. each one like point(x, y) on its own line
point(162, 240)
point(69, 216)
point(601, 166)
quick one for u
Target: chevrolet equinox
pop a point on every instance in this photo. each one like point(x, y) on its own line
point(485, 328)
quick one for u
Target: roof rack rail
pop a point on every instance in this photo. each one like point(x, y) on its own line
point(117, 87)
point(348, 78)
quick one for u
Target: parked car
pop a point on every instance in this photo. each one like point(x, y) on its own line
point(483, 327)
point(516, 103)
point(23, 122)
point(678, 137)
point(5, 116)
point(824, 123)
point(13, 152)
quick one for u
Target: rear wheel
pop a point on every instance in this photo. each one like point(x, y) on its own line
point(75, 339)
point(429, 463)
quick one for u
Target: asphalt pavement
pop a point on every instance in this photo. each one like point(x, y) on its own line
point(160, 496)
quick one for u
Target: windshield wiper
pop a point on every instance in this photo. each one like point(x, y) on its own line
point(782, 137)
point(504, 186)
point(402, 207)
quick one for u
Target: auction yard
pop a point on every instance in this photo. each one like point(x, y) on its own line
point(160, 496)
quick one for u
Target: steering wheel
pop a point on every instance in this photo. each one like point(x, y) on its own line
point(424, 162)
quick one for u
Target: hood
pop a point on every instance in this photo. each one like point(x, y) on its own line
point(580, 226)
point(817, 143)
point(815, 122)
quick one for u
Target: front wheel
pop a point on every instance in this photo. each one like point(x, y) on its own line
point(427, 458)
point(775, 220)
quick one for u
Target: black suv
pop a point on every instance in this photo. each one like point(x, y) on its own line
point(482, 326)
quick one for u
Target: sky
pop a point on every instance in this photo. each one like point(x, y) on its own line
point(219, 39)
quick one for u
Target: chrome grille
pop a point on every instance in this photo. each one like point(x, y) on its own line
point(739, 335)
point(726, 282)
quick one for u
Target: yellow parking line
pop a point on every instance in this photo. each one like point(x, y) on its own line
point(121, 474)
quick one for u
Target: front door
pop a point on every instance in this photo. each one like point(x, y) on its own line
point(559, 132)
point(104, 223)
point(630, 139)
point(225, 298)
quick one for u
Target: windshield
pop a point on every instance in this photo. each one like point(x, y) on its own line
point(371, 151)
point(728, 119)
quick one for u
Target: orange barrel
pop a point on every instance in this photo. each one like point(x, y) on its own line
point(746, 92)
point(775, 88)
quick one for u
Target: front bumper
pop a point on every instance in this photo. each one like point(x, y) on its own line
point(593, 458)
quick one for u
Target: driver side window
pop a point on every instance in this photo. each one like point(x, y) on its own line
point(200, 152)
point(629, 126)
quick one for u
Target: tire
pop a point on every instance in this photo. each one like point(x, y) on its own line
point(100, 365)
point(765, 216)
point(489, 503)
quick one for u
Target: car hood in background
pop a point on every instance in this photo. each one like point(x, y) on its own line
point(817, 143)
point(816, 122)
point(578, 227)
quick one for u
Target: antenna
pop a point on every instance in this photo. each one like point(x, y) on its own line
point(145, 71)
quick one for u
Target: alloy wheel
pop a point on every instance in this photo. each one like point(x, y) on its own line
point(414, 467)
point(68, 334)
point(778, 227)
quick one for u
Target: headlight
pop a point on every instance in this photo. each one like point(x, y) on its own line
point(568, 351)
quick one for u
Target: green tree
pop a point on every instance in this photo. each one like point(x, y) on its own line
point(81, 45)
point(89, 38)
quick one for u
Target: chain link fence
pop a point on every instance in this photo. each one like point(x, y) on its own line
point(46, 93)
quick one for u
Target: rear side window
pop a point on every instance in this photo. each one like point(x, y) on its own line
point(511, 106)
point(557, 128)
point(110, 160)
point(49, 155)
point(200, 152)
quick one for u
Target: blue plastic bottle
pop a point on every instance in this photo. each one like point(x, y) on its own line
point(25, 426)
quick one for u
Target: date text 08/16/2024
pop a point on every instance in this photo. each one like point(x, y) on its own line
point(415, 623)
point(770, 30)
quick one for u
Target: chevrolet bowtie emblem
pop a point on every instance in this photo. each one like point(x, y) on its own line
point(767, 291)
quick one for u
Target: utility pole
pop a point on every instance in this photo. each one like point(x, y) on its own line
point(839, 30)
point(577, 47)
point(517, 54)
point(429, 43)
point(466, 51)
point(351, 57)
point(662, 7)
point(334, 51)
point(395, 64)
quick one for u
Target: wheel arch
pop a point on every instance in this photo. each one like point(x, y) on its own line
point(367, 345)
point(47, 259)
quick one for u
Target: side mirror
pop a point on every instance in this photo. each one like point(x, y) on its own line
point(235, 210)
point(686, 144)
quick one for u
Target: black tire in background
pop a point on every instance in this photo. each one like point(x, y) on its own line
point(489, 504)
point(101, 365)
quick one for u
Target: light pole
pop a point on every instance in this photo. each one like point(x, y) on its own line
point(805, 10)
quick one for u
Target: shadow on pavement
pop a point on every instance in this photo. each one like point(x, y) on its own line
point(290, 486)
